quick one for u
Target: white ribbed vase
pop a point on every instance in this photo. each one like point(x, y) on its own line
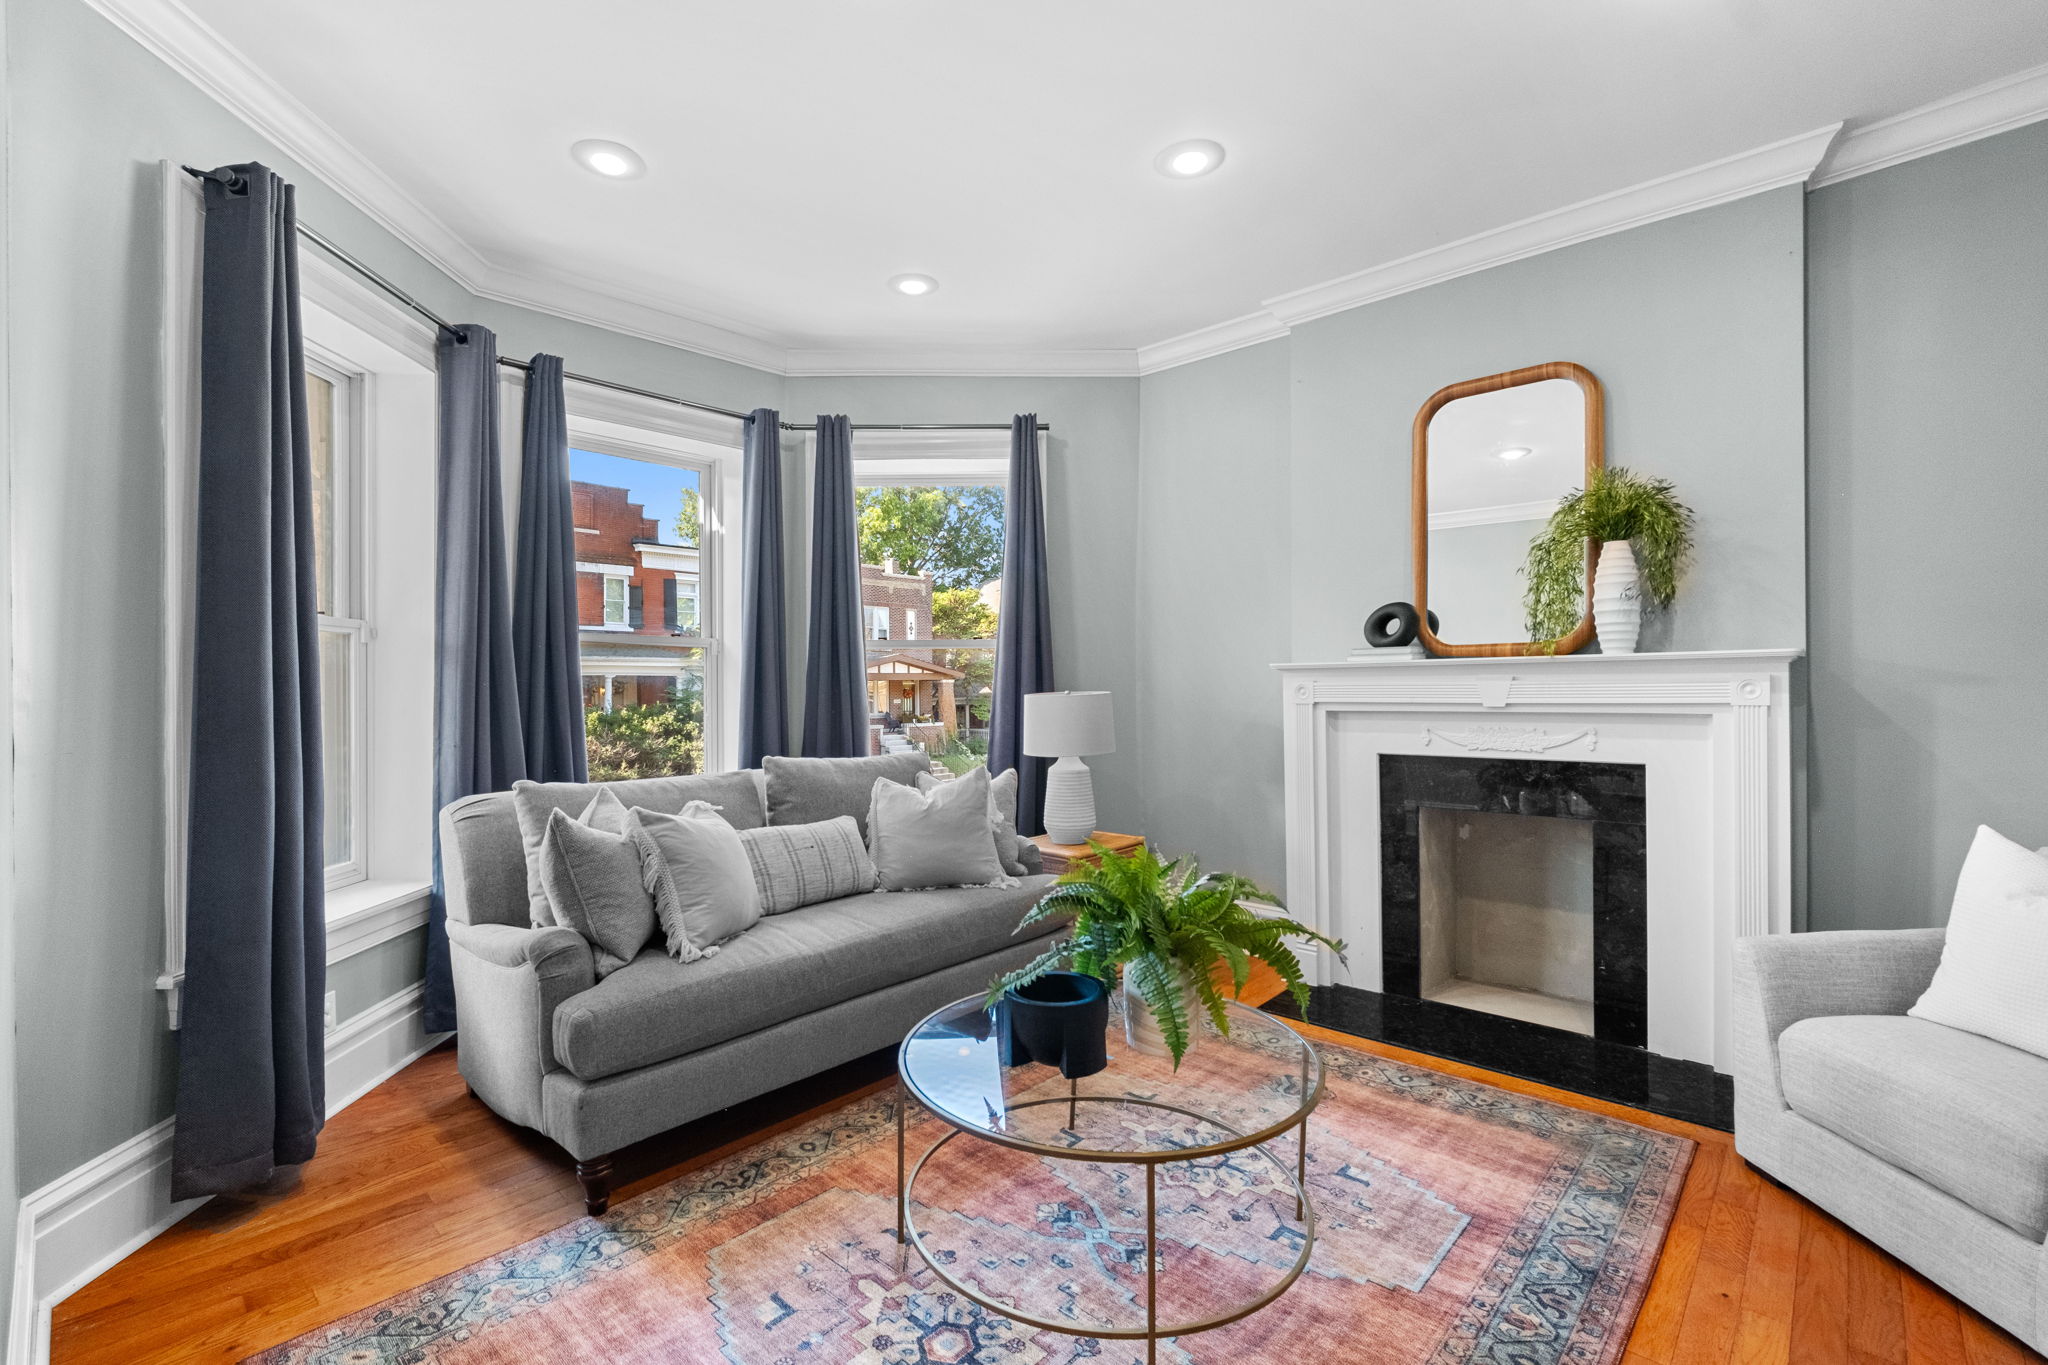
point(1141, 1026)
point(1617, 598)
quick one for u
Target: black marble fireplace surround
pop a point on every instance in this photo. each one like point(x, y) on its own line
point(1608, 795)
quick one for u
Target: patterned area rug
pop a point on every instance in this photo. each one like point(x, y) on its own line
point(1456, 1223)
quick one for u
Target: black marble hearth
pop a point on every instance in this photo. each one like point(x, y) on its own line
point(1606, 1070)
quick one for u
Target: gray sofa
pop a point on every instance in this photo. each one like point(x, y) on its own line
point(1929, 1141)
point(597, 1065)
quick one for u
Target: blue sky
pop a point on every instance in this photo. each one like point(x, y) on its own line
point(656, 487)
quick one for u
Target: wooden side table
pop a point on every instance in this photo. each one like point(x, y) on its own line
point(1059, 857)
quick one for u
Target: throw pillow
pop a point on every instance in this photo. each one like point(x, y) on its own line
point(1995, 958)
point(798, 865)
point(804, 791)
point(1002, 816)
point(935, 838)
point(594, 886)
point(702, 883)
point(736, 795)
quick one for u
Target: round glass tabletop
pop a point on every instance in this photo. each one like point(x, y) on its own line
point(1229, 1092)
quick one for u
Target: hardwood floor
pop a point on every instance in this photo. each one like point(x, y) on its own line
point(417, 1179)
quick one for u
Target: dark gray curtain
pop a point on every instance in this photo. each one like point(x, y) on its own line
point(251, 1073)
point(477, 742)
point(835, 676)
point(544, 641)
point(764, 655)
point(1024, 627)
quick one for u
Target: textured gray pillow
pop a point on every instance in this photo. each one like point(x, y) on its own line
point(798, 865)
point(702, 883)
point(737, 796)
point(935, 838)
point(805, 791)
point(1002, 816)
point(594, 886)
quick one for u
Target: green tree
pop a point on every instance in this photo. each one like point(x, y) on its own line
point(953, 534)
point(690, 519)
point(960, 614)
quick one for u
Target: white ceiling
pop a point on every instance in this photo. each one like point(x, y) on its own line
point(801, 152)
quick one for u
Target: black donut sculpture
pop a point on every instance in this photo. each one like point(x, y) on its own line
point(1393, 626)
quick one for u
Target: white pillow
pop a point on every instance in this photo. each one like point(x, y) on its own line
point(941, 837)
point(699, 875)
point(1993, 977)
point(1002, 815)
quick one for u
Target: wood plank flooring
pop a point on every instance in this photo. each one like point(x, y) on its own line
point(418, 1179)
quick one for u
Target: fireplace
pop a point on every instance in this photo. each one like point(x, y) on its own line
point(1517, 887)
point(1673, 772)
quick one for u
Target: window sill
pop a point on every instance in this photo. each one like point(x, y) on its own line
point(364, 914)
point(360, 916)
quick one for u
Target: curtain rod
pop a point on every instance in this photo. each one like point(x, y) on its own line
point(370, 274)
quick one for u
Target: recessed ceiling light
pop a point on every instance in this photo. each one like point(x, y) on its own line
point(1186, 160)
point(1514, 452)
point(913, 285)
point(614, 160)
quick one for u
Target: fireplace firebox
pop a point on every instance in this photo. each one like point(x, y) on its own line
point(1517, 887)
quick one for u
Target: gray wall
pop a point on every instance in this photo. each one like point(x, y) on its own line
point(1275, 479)
point(1694, 327)
point(92, 114)
point(1927, 488)
point(10, 1198)
point(1213, 583)
point(1091, 495)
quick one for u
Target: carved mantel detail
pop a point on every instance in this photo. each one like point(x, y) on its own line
point(1511, 739)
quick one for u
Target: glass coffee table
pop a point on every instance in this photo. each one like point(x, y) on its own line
point(1234, 1095)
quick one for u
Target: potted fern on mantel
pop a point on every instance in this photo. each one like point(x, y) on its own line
point(1164, 926)
point(1645, 537)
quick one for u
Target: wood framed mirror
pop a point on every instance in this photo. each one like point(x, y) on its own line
point(1491, 458)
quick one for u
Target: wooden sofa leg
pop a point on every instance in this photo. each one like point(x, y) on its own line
point(595, 1175)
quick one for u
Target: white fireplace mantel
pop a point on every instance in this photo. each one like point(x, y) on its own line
point(1712, 730)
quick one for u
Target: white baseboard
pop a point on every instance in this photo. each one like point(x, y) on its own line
point(75, 1228)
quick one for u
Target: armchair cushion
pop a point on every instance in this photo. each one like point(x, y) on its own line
point(1992, 971)
point(1965, 1114)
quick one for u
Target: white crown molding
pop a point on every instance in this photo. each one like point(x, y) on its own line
point(1787, 162)
point(182, 40)
point(959, 361)
point(1982, 111)
point(179, 38)
point(1498, 515)
point(1203, 342)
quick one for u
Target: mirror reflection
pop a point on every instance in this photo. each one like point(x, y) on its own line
point(1498, 463)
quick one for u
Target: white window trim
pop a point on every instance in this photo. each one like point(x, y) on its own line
point(355, 327)
point(950, 456)
point(613, 423)
point(352, 558)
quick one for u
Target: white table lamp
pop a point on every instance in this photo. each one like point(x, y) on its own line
point(1064, 726)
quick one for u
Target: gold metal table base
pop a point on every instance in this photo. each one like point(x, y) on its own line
point(1151, 1333)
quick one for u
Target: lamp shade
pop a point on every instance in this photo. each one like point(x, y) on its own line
point(1068, 724)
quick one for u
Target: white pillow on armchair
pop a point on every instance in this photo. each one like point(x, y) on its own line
point(1993, 977)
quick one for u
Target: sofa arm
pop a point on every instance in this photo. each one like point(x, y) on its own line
point(508, 983)
point(1783, 978)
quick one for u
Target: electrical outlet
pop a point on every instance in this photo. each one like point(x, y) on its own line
point(332, 1010)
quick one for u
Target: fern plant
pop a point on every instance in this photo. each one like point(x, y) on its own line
point(1614, 505)
point(1164, 925)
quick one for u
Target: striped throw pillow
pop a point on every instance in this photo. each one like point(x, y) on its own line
point(798, 865)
